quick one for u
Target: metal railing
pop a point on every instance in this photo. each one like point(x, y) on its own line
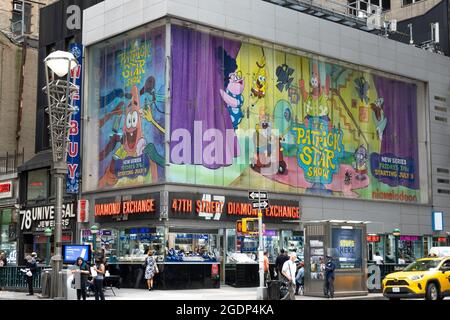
point(10, 161)
point(11, 278)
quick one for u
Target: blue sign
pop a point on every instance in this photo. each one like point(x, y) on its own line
point(73, 155)
point(71, 252)
point(347, 248)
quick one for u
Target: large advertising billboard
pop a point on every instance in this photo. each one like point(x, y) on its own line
point(130, 98)
point(250, 116)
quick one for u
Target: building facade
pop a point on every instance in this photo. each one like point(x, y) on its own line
point(60, 29)
point(189, 108)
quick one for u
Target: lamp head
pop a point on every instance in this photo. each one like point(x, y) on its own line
point(48, 232)
point(60, 62)
point(396, 232)
point(94, 229)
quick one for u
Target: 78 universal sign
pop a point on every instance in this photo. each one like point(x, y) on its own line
point(40, 218)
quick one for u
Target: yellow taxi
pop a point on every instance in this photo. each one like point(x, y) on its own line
point(427, 278)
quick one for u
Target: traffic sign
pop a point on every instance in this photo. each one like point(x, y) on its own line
point(253, 195)
point(260, 204)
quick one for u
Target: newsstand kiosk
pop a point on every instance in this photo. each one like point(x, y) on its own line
point(345, 242)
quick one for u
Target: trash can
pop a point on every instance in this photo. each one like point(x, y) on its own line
point(46, 283)
point(68, 293)
point(273, 291)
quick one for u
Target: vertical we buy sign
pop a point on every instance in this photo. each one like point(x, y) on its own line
point(73, 155)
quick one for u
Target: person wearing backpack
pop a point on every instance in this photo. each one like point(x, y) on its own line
point(151, 268)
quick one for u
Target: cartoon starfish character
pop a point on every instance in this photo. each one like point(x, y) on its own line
point(133, 141)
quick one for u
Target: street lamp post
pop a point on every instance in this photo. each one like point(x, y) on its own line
point(48, 233)
point(59, 88)
point(94, 231)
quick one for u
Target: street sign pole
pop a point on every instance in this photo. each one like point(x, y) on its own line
point(262, 292)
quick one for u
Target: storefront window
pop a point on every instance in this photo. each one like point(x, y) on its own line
point(6, 246)
point(375, 244)
point(37, 187)
point(272, 244)
point(410, 248)
point(192, 247)
point(134, 243)
point(292, 241)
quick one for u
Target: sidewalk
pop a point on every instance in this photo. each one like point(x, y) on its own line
point(224, 293)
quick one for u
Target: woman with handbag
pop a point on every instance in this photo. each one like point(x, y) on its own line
point(151, 268)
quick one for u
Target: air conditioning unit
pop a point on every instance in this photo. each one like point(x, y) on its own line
point(373, 10)
point(17, 7)
point(374, 22)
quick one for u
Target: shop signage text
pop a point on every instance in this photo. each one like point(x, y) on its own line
point(40, 218)
point(373, 238)
point(83, 211)
point(6, 190)
point(228, 208)
point(73, 156)
point(125, 207)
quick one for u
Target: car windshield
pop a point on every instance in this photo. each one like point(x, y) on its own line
point(422, 265)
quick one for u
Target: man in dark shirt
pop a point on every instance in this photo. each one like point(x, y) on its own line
point(281, 259)
point(328, 288)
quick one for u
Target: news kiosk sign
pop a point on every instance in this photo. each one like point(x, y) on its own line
point(73, 155)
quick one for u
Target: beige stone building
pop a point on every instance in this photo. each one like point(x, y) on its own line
point(12, 12)
point(17, 98)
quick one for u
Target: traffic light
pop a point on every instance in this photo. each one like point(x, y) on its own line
point(250, 225)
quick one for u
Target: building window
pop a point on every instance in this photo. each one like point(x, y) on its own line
point(37, 186)
point(18, 14)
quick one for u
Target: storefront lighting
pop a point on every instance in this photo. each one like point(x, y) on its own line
point(347, 227)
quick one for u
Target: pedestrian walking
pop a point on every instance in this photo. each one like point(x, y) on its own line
point(151, 268)
point(299, 278)
point(30, 270)
point(328, 289)
point(82, 272)
point(266, 268)
point(279, 262)
point(99, 277)
point(288, 271)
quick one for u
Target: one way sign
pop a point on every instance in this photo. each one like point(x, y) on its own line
point(260, 205)
point(252, 195)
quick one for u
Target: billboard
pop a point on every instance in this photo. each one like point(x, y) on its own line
point(254, 117)
point(347, 248)
point(129, 90)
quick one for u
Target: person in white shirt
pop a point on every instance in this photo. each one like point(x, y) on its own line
point(289, 270)
point(377, 258)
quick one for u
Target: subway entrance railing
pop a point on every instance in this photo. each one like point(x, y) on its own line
point(11, 278)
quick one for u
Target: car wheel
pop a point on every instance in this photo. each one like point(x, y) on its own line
point(432, 292)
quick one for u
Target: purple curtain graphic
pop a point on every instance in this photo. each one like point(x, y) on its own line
point(400, 136)
point(197, 77)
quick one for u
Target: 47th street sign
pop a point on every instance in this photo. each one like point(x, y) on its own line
point(253, 195)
